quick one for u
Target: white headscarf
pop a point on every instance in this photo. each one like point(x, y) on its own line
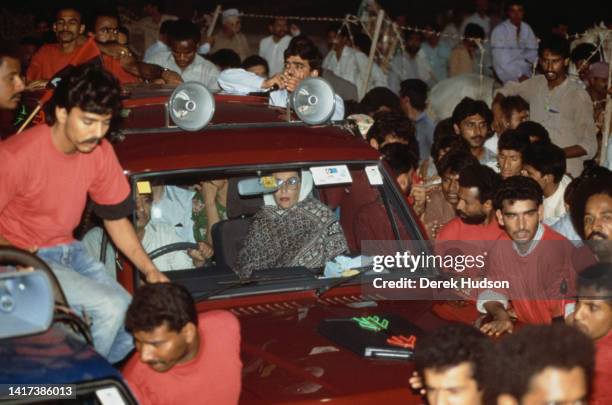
point(306, 185)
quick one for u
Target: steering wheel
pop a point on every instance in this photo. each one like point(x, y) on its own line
point(172, 247)
point(17, 257)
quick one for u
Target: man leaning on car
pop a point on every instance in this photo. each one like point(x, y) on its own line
point(47, 173)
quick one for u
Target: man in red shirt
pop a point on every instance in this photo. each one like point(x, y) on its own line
point(182, 357)
point(593, 316)
point(48, 172)
point(534, 260)
point(11, 86)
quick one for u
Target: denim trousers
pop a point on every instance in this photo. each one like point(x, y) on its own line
point(89, 288)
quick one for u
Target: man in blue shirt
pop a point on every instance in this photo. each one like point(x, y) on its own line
point(413, 100)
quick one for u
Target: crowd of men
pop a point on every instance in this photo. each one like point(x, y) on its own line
point(524, 178)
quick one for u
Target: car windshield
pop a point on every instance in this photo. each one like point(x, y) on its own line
point(252, 230)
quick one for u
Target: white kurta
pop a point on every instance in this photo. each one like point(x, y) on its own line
point(513, 56)
point(200, 69)
point(554, 206)
point(346, 67)
point(378, 78)
point(403, 66)
point(274, 52)
point(157, 235)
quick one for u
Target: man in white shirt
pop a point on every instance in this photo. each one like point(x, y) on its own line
point(514, 45)
point(411, 64)
point(480, 17)
point(545, 163)
point(341, 59)
point(378, 78)
point(161, 44)
point(508, 113)
point(272, 48)
point(183, 59)
point(560, 104)
point(302, 60)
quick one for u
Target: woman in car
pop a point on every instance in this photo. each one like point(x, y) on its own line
point(291, 229)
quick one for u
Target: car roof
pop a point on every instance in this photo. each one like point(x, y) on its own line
point(244, 131)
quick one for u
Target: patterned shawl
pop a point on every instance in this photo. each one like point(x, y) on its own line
point(306, 234)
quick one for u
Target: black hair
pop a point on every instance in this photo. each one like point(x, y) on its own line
point(88, 87)
point(597, 277)
point(379, 97)
point(518, 188)
point(444, 127)
point(510, 104)
point(391, 123)
point(452, 141)
point(468, 107)
point(523, 355)
point(532, 128)
point(9, 50)
point(511, 3)
point(410, 33)
point(483, 178)
point(301, 40)
point(156, 3)
point(547, 158)
point(416, 91)
point(157, 304)
point(452, 345)
point(255, 60)
point(68, 5)
point(583, 52)
point(513, 139)
point(363, 42)
point(102, 12)
point(601, 184)
point(183, 30)
point(305, 50)
point(401, 157)
point(455, 162)
point(555, 44)
point(225, 58)
point(166, 27)
point(473, 31)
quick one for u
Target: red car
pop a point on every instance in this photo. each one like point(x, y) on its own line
point(306, 338)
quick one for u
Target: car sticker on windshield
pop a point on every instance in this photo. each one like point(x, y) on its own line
point(110, 396)
point(144, 187)
point(374, 176)
point(324, 175)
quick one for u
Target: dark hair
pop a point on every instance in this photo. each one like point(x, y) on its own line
point(518, 188)
point(88, 87)
point(532, 128)
point(483, 178)
point(410, 33)
point(391, 123)
point(511, 3)
point(183, 30)
point(602, 184)
point(9, 50)
point(363, 42)
point(473, 31)
point(125, 31)
point(452, 141)
point(166, 27)
point(523, 355)
point(225, 58)
point(598, 277)
point(102, 12)
point(416, 91)
point(455, 162)
point(556, 45)
point(583, 52)
point(255, 60)
point(379, 97)
point(513, 139)
point(301, 39)
point(68, 5)
point(444, 127)
point(451, 345)
point(157, 304)
point(468, 107)
point(510, 104)
point(547, 158)
point(305, 50)
point(401, 157)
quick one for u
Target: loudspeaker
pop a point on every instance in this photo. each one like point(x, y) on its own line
point(313, 101)
point(26, 303)
point(191, 106)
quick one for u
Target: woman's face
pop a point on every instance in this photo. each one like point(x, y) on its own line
point(289, 192)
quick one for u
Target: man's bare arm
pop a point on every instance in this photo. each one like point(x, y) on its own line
point(501, 320)
point(574, 151)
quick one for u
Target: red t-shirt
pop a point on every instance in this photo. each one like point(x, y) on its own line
point(47, 61)
point(213, 377)
point(43, 191)
point(602, 388)
point(114, 66)
point(456, 229)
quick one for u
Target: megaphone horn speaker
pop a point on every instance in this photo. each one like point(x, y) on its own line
point(314, 101)
point(191, 106)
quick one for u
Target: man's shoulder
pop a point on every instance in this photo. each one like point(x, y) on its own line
point(266, 41)
point(551, 234)
point(212, 322)
point(30, 138)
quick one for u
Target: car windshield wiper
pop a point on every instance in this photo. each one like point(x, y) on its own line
point(343, 280)
point(230, 285)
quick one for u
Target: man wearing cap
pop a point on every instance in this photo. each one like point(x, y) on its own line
point(230, 36)
point(597, 86)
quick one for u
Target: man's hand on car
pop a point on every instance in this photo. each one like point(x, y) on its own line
point(156, 276)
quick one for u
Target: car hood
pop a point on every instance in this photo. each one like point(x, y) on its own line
point(286, 359)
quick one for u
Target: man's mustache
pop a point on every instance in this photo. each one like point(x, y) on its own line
point(596, 233)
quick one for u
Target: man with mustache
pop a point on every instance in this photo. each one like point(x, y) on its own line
point(48, 172)
point(11, 83)
point(472, 120)
point(535, 260)
point(560, 104)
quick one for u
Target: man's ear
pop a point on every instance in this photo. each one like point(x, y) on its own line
point(500, 217)
point(314, 73)
point(541, 211)
point(82, 29)
point(457, 129)
point(488, 205)
point(189, 332)
point(566, 62)
point(54, 27)
point(61, 115)
point(404, 182)
point(374, 143)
